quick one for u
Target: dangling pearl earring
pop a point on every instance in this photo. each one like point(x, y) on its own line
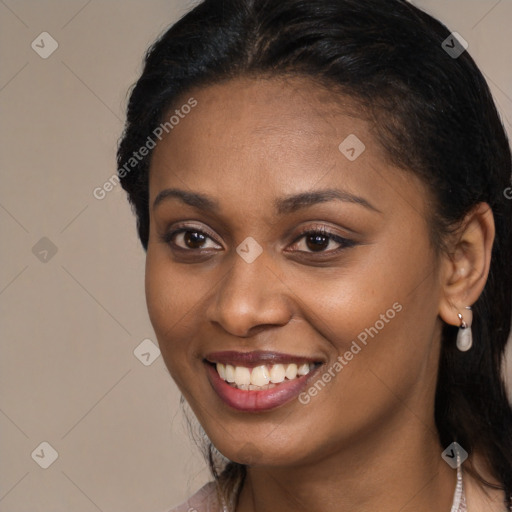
point(465, 336)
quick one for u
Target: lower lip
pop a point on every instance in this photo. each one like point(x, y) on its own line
point(256, 401)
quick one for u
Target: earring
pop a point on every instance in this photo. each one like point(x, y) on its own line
point(465, 336)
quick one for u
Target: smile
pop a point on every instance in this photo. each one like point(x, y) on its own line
point(258, 381)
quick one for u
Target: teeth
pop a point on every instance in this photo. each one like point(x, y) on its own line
point(230, 373)
point(221, 369)
point(252, 387)
point(291, 371)
point(261, 377)
point(242, 376)
point(303, 369)
point(277, 373)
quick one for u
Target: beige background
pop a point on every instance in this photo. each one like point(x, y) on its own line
point(70, 324)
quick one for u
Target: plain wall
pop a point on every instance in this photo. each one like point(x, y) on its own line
point(72, 320)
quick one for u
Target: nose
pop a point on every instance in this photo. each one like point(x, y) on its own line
point(250, 298)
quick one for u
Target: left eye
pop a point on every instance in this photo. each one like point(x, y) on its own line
point(320, 240)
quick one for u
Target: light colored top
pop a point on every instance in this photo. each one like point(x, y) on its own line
point(204, 500)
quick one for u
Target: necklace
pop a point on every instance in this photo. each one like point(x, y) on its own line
point(459, 498)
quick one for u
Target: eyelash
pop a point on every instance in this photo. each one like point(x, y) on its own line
point(344, 243)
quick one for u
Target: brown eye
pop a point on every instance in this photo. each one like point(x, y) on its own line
point(194, 239)
point(189, 239)
point(317, 242)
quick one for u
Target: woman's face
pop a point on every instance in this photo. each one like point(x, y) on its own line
point(290, 250)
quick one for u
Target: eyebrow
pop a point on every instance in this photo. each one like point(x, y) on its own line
point(295, 202)
point(200, 201)
point(285, 205)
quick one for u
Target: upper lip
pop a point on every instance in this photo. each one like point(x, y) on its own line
point(256, 358)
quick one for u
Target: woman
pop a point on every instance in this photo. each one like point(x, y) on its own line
point(319, 187)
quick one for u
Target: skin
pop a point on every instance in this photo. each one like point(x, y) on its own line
point(367, 441)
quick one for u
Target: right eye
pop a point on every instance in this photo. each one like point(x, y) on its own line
point(189, 239)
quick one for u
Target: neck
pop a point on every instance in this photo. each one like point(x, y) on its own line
point(398, 469)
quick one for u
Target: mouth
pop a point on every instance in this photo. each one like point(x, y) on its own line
point(257, 381)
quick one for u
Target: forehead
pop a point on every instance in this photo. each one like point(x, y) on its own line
point(279, 119)
point(269, 137)
point(273, 107)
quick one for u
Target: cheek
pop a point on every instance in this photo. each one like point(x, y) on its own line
point(172, 307)
point(172, 293)
point(160, 294)
point(384, 299)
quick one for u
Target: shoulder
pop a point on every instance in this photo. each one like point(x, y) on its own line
point(204, 500)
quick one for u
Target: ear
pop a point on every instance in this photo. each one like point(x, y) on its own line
point(465, 269)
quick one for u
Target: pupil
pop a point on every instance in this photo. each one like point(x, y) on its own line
point(318, 242)
point(193, 239)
